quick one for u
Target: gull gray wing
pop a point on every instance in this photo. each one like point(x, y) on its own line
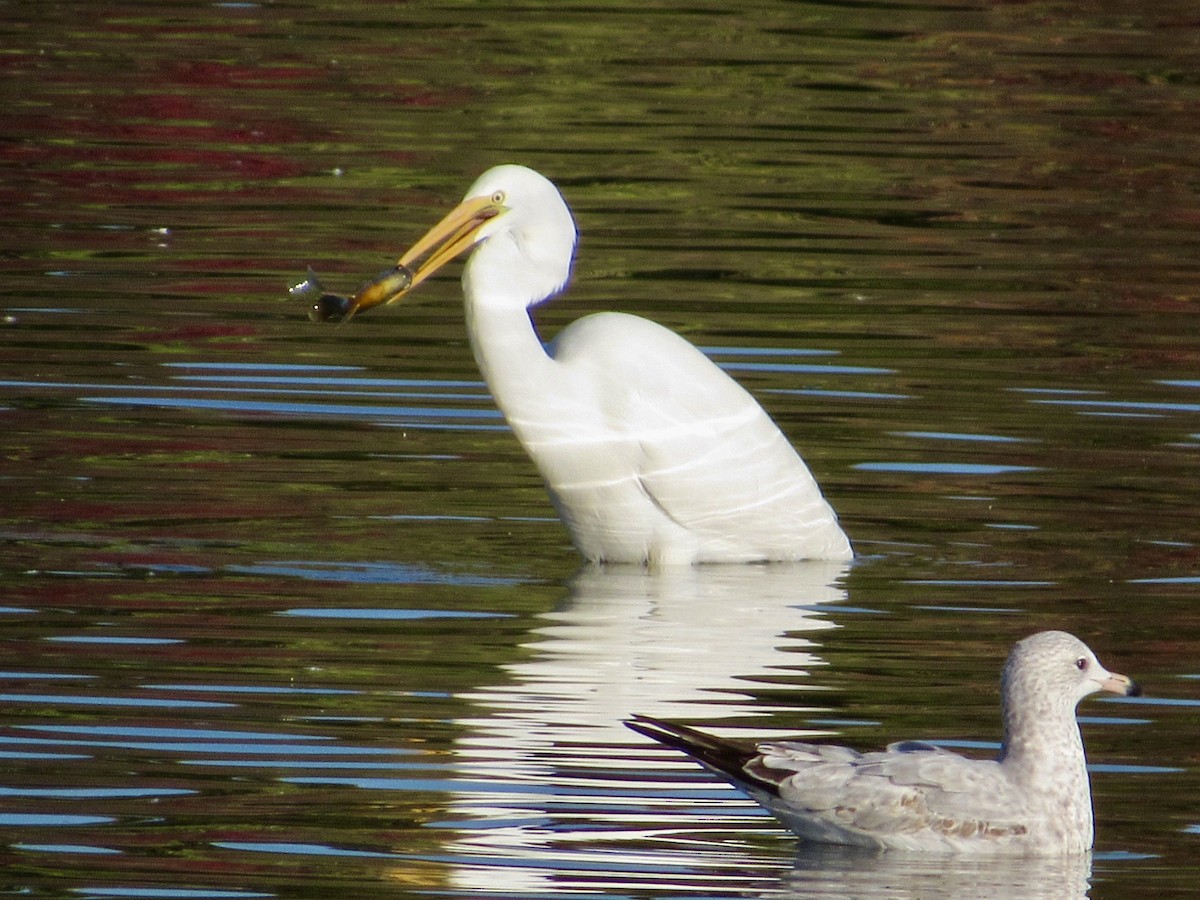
point(910, 796)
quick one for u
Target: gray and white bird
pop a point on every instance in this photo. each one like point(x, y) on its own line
point(1034, 799)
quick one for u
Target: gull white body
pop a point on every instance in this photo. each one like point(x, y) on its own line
point(650, 453)
point(1034, 799)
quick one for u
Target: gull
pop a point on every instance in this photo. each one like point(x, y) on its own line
point(1034, 799)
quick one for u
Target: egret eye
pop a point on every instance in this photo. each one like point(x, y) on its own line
point(1081, 664)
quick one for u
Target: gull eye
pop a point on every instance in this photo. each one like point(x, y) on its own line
point(498, 197)
point(1081, 664)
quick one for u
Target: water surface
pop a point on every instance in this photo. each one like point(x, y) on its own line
point(286, 612)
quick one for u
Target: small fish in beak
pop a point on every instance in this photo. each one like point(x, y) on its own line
point(327, 307)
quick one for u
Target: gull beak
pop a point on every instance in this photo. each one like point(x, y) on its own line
point(1121, 684)
point(450, 237)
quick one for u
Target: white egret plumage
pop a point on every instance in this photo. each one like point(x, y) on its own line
point(651, 454)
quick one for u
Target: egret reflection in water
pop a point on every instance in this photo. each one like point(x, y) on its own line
point(679, 640)
point(546, 759)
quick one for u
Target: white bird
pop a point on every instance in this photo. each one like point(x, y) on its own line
point(1034, 799)
point(651, 454)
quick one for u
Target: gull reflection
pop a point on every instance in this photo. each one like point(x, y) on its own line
point(823, 871)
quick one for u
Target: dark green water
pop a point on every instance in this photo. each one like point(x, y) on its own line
point(285, 611)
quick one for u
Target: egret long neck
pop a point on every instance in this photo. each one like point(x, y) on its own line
point(509, 354)
point(502, 278)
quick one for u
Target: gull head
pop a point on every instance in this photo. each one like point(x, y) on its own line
point(1058, 669)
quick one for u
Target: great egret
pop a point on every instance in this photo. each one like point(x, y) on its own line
point(651, 454)
point(1033, 800)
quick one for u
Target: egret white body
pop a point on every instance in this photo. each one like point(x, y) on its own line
point(651, 454)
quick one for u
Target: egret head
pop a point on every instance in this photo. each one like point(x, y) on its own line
point(523, 229)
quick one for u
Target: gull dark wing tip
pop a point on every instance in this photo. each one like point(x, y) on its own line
point(726, 758)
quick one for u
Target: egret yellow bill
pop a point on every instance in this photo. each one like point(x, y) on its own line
point(650, 452)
